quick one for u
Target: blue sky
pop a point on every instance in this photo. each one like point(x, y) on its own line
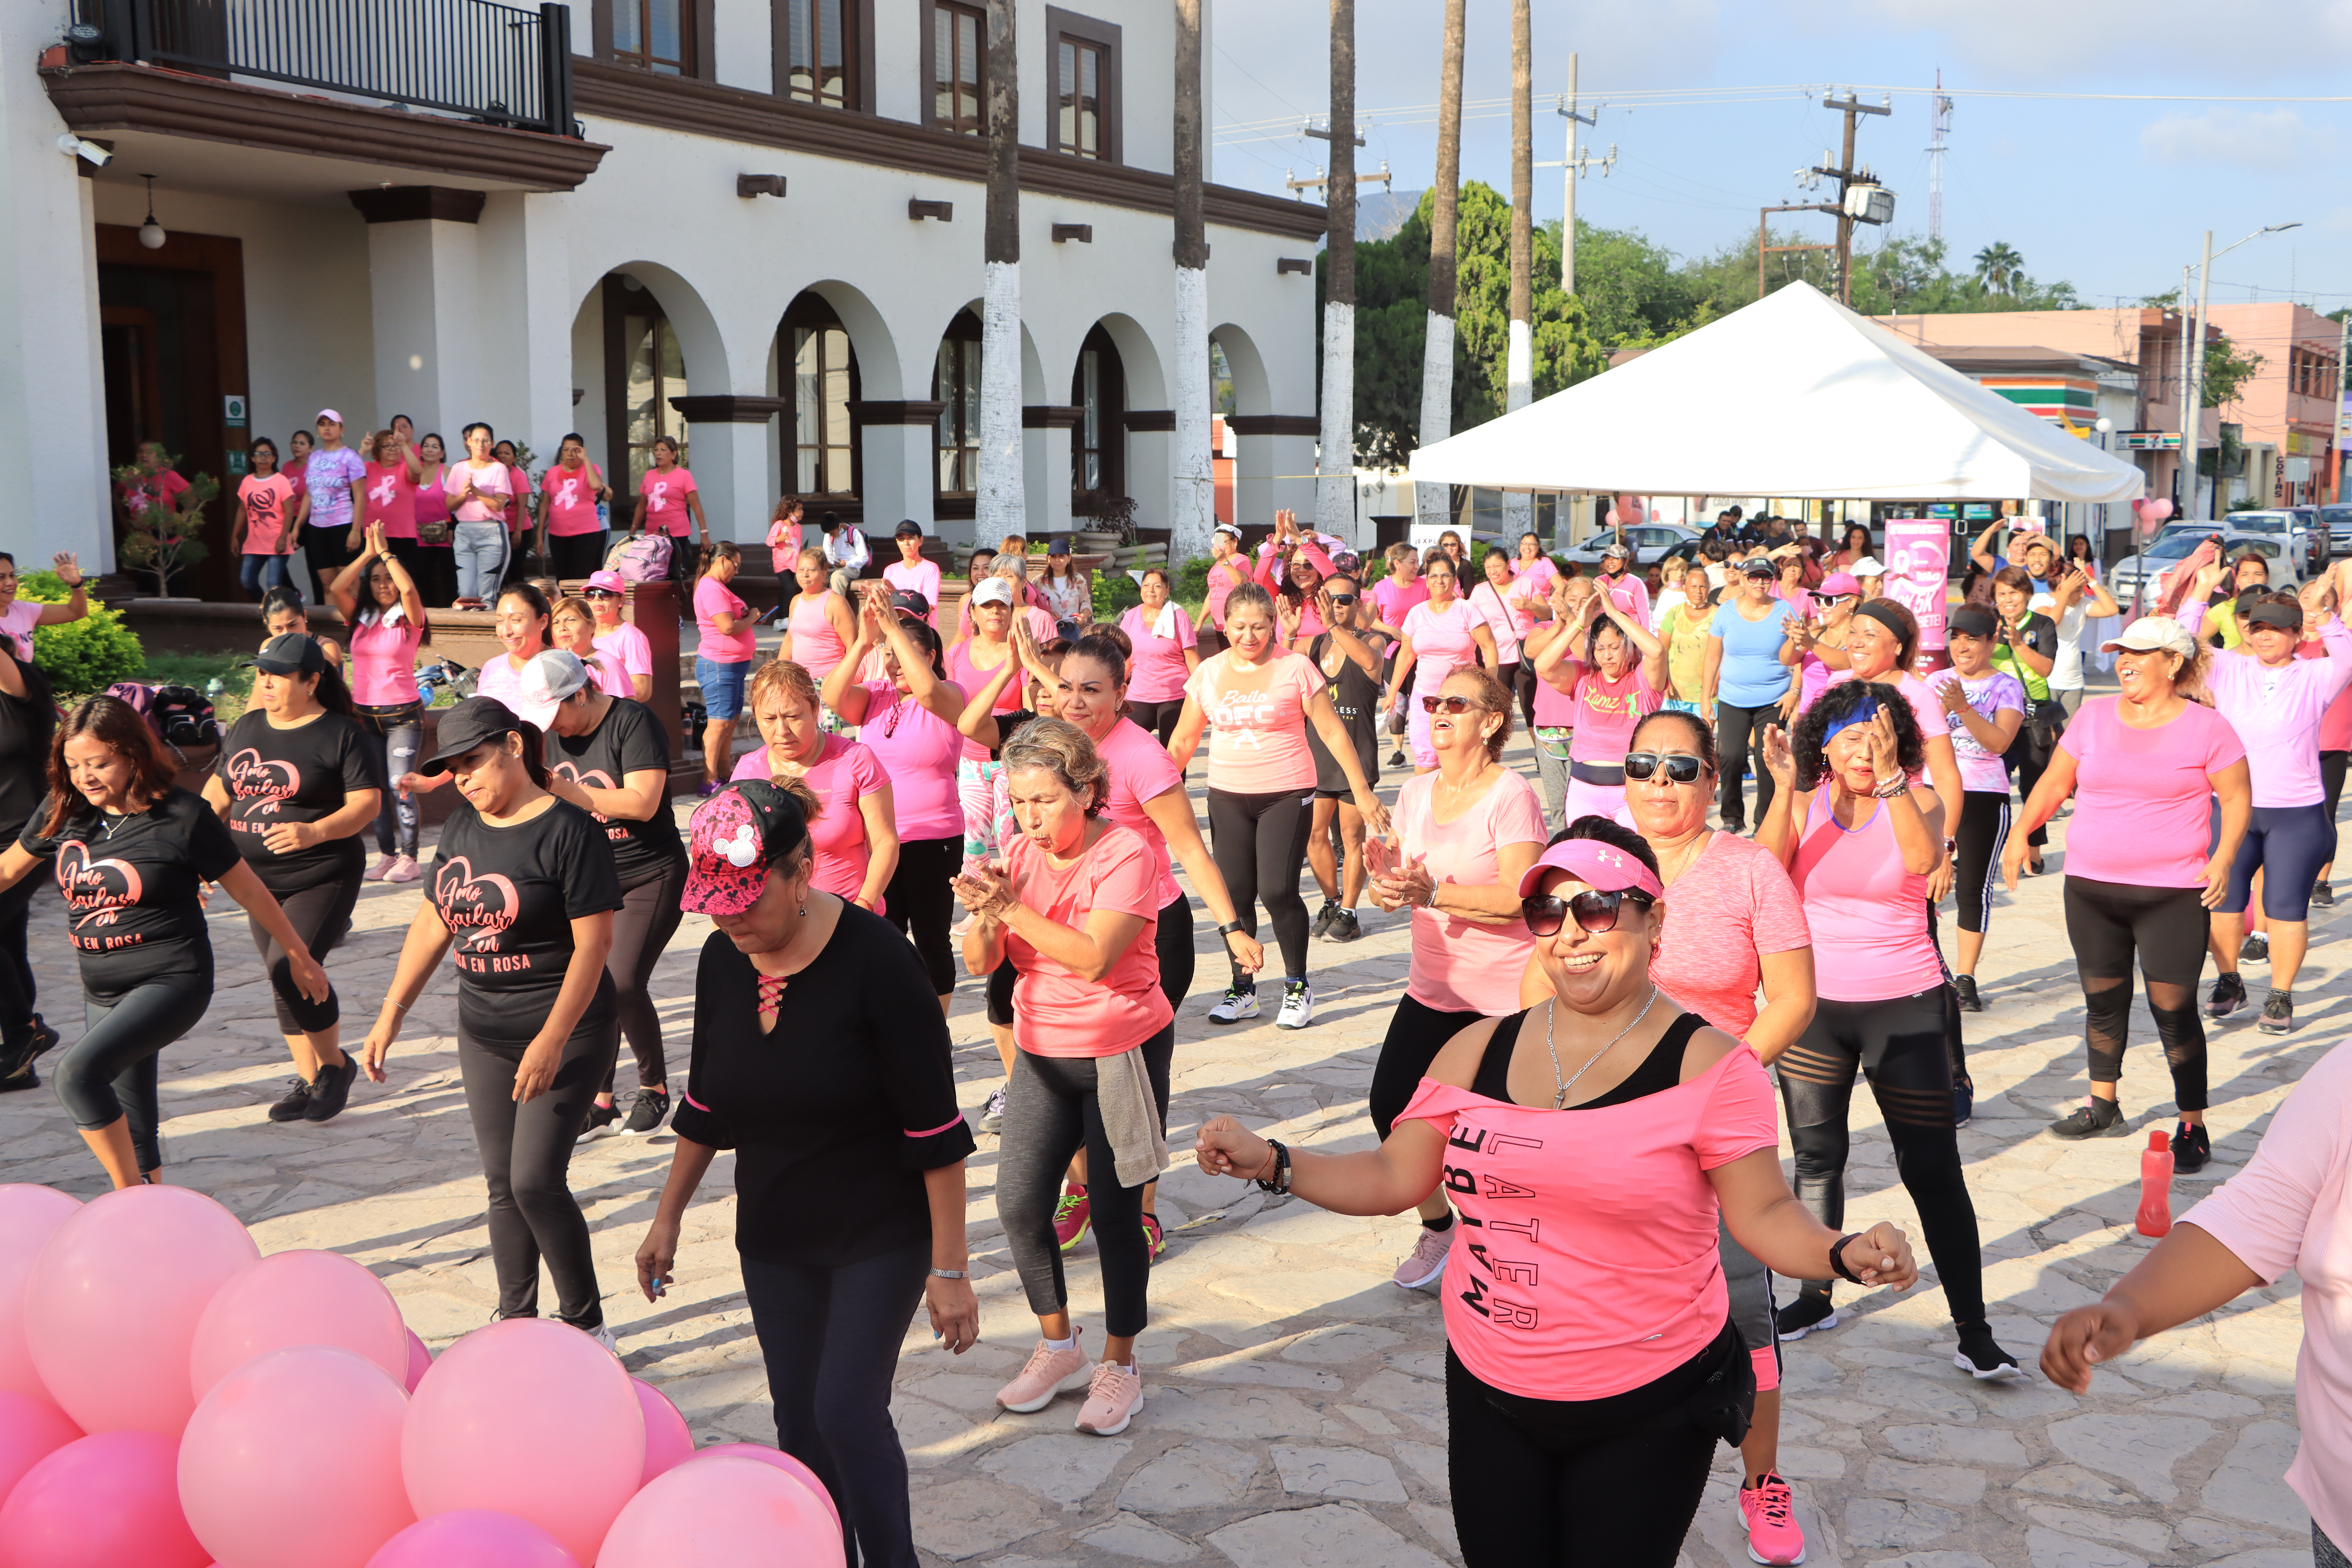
point(2111, 194)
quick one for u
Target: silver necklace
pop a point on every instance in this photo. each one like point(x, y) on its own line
point(1560, 1099)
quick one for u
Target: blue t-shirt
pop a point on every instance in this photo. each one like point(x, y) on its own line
point(329, 473)
point(1752, 673)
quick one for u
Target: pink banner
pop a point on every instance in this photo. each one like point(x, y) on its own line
point(1919, 557)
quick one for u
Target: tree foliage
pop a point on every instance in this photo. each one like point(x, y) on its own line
point(84, 655)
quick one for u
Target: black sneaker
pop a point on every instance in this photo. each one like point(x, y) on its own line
point(647, 1112)
point(600, 1121)
point(1981, 1358)
point(296, 1102)
point(2192, 1149)
point(1323, 916)
point(331, 1089)
point(1397, 758)
point(2323, 896)
point(1808, 1314)
point(2093, 1118)
point(1345, 927)
point(18, 1061)
point(1966, 986)
point(2257, 949)
point(28, 1078)
point(2278, 1013)
point(2229, 995)
point(1964, 1100)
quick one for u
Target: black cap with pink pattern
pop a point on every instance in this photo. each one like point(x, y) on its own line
point(735, 837)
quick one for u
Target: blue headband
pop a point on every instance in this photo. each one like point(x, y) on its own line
point(1862, 715)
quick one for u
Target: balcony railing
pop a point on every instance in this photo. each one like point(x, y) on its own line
point(501, 65)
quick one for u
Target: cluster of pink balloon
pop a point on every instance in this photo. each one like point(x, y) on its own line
point(171, 1398)
point(2152, 513)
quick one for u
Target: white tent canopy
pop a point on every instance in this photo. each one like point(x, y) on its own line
point(1795, 396)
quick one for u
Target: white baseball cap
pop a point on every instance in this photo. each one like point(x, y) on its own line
point(547, 680)
point(992, 591)
point(1868, 566)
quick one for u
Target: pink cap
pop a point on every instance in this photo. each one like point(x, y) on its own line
point(329, 414)
point(1603, 866)
point(608, 581)
point(1837, 582)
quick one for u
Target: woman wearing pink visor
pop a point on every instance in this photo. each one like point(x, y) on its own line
point(1584, 1399)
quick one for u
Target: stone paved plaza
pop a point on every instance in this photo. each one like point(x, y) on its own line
point(1294, 1415)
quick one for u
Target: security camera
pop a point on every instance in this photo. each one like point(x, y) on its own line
point(89, 152)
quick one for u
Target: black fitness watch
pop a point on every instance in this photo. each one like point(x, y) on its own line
point(1229, 928)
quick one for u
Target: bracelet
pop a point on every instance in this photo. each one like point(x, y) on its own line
point(1278, 1161)
point(398, 1006)
point(1837, 1258)
point(951, 1273)
point(1228, 928)
point(1889, 791)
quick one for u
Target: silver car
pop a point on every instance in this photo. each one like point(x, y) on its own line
point(2338, 519)
point(2299, 526)
point(2172, 548)
point(1651, 543)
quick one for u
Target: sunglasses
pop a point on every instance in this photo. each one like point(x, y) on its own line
point(1446, 705)
point(1596, 913)
point(1681, 766)
point(1343, 600)
point(1831, 600)
point(601, 594)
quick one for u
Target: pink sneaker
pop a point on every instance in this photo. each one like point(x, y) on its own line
point(1070, 1216)
point(405, 868)
point(1112, 1399)
point(1427, 1260)
point(1153, 1234)
point(1773, 1535)
point(1048, 1372)
point(383, 867)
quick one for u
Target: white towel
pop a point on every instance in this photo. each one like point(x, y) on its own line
point(1165, 626)
point(1130, 1117)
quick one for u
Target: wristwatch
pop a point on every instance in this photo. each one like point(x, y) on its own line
point(1229, 928)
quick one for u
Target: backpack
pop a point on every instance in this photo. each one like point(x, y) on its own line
point(180, 716)
point(640, 557)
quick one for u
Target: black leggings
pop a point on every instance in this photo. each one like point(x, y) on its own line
point(110, 1072)
point(2331, 778)
point(1522, 681)
point(921, 900)
point(642, 927)
point(830, 1337)
point(1050, 1113)
point(18, 991)
point(1898, 1044)
point(1417, 1032)
point(2108, 923)
point(1984, 829)
point(526, 1160)
point(1556, 1481)
point(1159, 718)
point(1260, 845)
point(321, 917)
point(1739, 740)
point(2031, 762)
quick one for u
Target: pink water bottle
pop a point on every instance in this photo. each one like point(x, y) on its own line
point(2156, 1186)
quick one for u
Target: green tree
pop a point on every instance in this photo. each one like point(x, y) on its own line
point(2228, 368)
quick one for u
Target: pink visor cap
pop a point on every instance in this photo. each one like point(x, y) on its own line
point(1603, 866)
point(608, 582)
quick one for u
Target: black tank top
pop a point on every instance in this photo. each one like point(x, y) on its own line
point(1661, 1069)
point(1356, 697)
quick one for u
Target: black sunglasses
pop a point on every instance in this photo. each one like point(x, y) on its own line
point(1343, 600)
point(1446, 705)
point(1596, 913)
point(600, 593)
point(1681, 766)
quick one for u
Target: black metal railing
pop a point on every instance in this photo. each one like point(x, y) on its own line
point(500, 64)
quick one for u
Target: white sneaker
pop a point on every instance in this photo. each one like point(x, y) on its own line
point(1235, 1007)
point(1297, 1006)
point(604, 1336)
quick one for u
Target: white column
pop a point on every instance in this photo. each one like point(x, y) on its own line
point(1429, 501)
point(1191, 483)
point(1149, 477)
point(52, 393)
point(896, 476)
point(424, 296)
point(730, 470)
point(1003, 506)
point(526, 274)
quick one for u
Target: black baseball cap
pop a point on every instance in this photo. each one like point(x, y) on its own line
point(466, 726)
point(1969, 620)
point(910, 529)
point(296, 653)
point(1759, 566)
point(2286, 617)
point(908, 602)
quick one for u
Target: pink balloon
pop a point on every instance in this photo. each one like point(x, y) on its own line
point(104, 1501)
point(29, 1216)
point(2156, 512)
point(31, 1429)
point(420, 1361)
point(531, 1417)
point(1612, 517)
point(668, 1444)
point(112, 1309)
point(473, 1538)
point(301, 1298)
point(780, 1460)
point(721, 1513)
point(271, 1420)
point(1657, 516)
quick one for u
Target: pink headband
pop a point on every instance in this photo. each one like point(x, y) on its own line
point(1600, 866)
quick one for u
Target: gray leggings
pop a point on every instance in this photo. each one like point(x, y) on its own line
point(1049, 1114)
point(109, 1073)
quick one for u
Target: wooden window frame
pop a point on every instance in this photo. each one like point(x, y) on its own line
point(964, 328)
point(858, 24)
point(700, 22)
point(929, 68)
point(1106, 37)
point(815, 312)
point(617, 446)
point(1110, 425)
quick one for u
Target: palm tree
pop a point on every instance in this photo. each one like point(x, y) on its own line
point(1429, 503)
point(1192, 485)
point(1518, 367)
point(2000, 268)
point(1001, 506)
point(1334, 464)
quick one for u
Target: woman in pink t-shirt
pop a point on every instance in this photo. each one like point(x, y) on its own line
point(1501, 604)
point(1463, 836)
point(722, 658)
point(571, 533)
point(437, 561)
point(986, 648)
point(387, 630)
point(2144, 862)
point(1072, 907)
point(1439, 636)
point(908, 721)
point(1860, 840)
point(1253, 702)
point(910, 573)
point(669, 502)
point(1882, 642)
point(573, 623)
point(856, 830)
point(1613, 669)
point(1167, 652)
point(819, 627)
point(1228, 570)
point(627, 647)
point(784, 544)
point(261, 530)
point(1587, 1297)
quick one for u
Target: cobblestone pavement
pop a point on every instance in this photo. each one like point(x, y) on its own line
point(1294, 1415)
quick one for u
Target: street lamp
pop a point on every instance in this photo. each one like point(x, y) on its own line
point(2192, 362)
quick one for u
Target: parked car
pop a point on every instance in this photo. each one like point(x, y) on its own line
point(2170, 548)
point(1651, 543)
point(2300, 525)
point(2338, 519)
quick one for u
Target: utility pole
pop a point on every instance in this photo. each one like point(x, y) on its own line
point(2184, 470)
point(1847, 177)
point(1764, 247)
point(2197, 371)
point(2336, 411)
point(1575, 165)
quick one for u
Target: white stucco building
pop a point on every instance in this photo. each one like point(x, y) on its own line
point(777, 261)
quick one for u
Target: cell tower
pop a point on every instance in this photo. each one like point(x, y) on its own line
point(1942, 122)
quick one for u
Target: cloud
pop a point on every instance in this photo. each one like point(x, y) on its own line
point(2275, 139)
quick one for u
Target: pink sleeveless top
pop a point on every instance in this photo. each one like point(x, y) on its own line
point(1865, 907)
point(972, 677)
point(816, 646)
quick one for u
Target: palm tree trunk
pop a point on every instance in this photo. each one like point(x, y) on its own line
point(1002, 507)
point(1192, 495)
point(1429, 502)
point(1518, 365)
point(1335, 467)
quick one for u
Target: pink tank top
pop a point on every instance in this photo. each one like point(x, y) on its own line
point(816, 646)
point(972, 677)
point(1863, 905)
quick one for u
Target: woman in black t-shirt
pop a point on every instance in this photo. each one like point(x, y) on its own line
point(297, 786)
point(525, 884)
point(609, 757)
point(132, 854)
point(820, 1058)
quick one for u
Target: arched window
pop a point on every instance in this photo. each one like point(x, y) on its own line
point(644, 369)
point(955, 382)
point(1098, 440)
point(818, 370)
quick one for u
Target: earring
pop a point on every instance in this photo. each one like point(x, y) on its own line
point(804, 908)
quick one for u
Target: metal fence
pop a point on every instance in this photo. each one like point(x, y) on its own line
point(500, 64)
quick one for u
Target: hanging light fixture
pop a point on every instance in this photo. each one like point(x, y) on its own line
point(151, 232)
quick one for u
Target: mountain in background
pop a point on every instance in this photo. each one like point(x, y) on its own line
point(1380, 214)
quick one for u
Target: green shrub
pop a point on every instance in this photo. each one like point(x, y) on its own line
point(1115, 594)
point(84, 655)
point(1192, 582)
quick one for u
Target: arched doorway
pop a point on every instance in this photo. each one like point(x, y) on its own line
point(645, 367)
point(1098, 439)
point(955, 386)
point(818, 379)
